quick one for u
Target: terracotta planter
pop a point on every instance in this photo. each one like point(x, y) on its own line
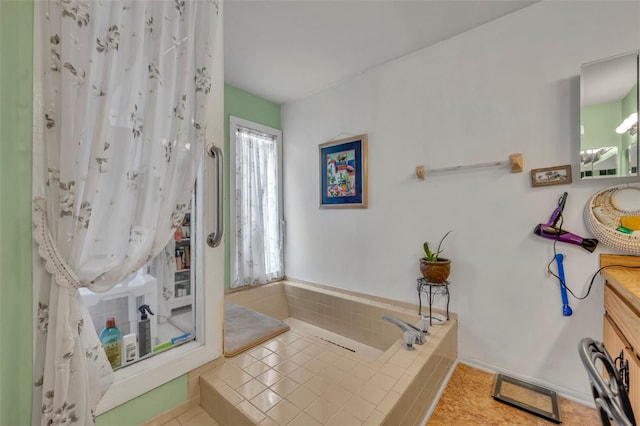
point(436, 272)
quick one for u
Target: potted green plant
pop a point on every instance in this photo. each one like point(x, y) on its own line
point(435, 268)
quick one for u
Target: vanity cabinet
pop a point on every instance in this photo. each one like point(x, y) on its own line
point(621, 327)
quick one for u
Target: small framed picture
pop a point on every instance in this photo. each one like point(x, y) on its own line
point(343, 173)
point(556, 175)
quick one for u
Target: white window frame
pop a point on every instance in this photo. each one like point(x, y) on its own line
point(236, 123)
point(146, 375)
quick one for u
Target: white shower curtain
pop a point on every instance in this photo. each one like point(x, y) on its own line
point(125, 87)
point(259, 253)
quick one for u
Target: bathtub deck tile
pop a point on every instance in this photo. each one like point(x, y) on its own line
point(363, 372)
point(260, 353)
point(375, 419)
point(251, 389)
point(286, 367)
point(301, 375)
point(265, 400)
point(242, 360)
point(351, 383)
point(283, 412)
point(269, 377)
point(287, 351)
point(300, 358)
point(236, 380)
point(304, 420)
point(338, 395)
point(225, 370)
point(329, 355)
point(332, 374)
point(403, 383)
point(322, 410)
point(256, 369)
point(344, 418)
point(382, 381)
point(272, 360)
point(359, 407)
point(302, 397)
point(316, 365)
point(372, 394)
point(393, 370)
point(388, 402)
point(285, 386)
point(251, 411)
point(318, 384)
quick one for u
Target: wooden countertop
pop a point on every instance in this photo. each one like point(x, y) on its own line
point(624, 281)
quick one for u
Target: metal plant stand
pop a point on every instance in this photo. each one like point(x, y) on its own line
point(432, 290)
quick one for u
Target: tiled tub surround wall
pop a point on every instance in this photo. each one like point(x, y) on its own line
point(299, 379)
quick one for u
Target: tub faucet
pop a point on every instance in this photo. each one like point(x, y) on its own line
point(412, 335)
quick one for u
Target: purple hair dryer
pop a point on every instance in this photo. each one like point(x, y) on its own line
point(553, 232)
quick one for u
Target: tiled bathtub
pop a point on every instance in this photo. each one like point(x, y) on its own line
point(299, 378)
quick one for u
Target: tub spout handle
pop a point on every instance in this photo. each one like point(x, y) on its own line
point(409, 339)
point(415, 332)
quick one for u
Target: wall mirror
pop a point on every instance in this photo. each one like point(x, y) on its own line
point(609, 117)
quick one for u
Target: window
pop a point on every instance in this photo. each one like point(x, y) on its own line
point(153, 308)
point(192, 301)
point(256, 211)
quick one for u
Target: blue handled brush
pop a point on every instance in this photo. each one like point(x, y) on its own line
point(566, 309)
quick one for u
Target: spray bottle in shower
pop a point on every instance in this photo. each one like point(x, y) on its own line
point(144, 330)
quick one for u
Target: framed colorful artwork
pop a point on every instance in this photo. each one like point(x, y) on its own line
point(343, 173)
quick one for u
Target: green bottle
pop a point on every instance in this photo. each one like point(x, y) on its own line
point(111, 339)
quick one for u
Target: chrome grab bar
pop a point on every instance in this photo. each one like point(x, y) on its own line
point(215, 238)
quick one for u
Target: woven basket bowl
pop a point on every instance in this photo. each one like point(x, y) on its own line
point(628, 243)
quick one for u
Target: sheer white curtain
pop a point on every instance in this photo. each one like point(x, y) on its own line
point(258, 212)
point(163, 268)
point(124, 94)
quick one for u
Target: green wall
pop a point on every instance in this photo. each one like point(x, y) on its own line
point(147, 406)
point(599, 123)
point(16, 65)
point(249, 107)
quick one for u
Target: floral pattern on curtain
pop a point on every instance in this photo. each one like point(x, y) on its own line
point(259, 248)
point(125, 91)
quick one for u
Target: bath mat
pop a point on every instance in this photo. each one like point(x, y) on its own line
point(245, 328)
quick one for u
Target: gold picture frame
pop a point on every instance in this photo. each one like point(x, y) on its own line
point(556, 175)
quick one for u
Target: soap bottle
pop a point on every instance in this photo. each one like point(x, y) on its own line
point(144, 330)
point(111, 339)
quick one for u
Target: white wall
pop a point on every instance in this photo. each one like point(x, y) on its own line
point(509, 86)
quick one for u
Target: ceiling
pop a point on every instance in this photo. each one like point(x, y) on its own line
point(288, 50)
